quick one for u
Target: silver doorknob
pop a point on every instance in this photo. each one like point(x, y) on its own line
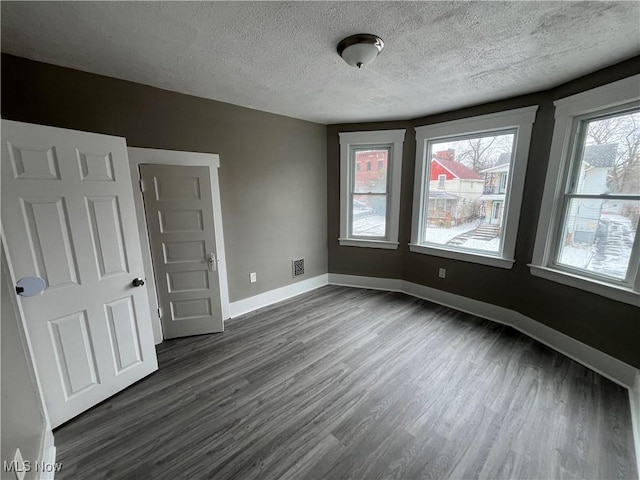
point(137, 282)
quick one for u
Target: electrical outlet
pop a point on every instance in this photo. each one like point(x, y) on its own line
point(442, 273)
point(253, 278)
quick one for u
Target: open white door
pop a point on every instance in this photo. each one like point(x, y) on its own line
point(180, 221)
point(68, 217)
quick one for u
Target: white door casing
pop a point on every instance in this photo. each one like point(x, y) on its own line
point(140, 156)
point(179, 213)
point(68, 216)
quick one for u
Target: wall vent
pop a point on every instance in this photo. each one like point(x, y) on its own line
point(297, 267)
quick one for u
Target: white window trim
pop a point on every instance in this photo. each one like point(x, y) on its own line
point(522, 119)
point(380, 137)
point(567, 109)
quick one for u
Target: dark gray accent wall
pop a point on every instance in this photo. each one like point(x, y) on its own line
point(273, 168)
point(605, 324)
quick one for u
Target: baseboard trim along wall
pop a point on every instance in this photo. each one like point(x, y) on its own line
point(634, 401)
point(265, 299)
point(47, 454)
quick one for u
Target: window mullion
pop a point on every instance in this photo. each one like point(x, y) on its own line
point(634, 259)
point(603, 196)
point(559, 228)
point(576, 151)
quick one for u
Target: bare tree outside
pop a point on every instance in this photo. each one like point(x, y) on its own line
point(623, 131)
point(479, 153)
point(599, 232)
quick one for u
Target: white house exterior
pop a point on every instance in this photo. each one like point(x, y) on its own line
point(494, 191)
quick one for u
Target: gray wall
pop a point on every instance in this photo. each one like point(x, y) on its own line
point(607, 325)
point(273, 168)
point(23, 424)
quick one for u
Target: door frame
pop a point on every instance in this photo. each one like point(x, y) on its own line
point(139, 156)
point(47, 448)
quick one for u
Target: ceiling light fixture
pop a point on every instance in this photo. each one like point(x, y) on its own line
point(360, 49)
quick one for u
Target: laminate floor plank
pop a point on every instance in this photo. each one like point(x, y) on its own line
point(360, 384)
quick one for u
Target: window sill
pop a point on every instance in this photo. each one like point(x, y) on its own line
point(613, 292)
point(489, 260)
point(350, 242)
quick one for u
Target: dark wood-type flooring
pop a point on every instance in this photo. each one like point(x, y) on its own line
point(351, 383)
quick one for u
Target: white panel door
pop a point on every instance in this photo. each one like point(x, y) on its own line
point(179, 210)
point(68, 217)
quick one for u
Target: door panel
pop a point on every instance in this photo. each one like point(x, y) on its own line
point(68, 216)
point(123, 333)
point(187, 281)
point(184, 252)
point(50, 244)
point(181, 221)
point(180, 188)
point(106, 233)
point(75, 354)
point(179, 212)
point(96, 167)
point(34, 163)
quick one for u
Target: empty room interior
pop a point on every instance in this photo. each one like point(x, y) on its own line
point(320, 240)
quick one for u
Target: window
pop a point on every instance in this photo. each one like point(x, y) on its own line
point(484, 159)
point(587, 231)
point(370, 200)
point(503, 182)
point(441, 180)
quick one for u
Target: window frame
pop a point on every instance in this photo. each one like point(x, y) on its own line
point(519, 120)
point(571, 112)
point(353, 151)
point(349, 142)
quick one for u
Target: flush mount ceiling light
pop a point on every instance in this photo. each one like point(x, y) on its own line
point(360, 49)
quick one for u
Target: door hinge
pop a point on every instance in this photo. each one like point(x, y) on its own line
point(141, 186)
point(159, 314)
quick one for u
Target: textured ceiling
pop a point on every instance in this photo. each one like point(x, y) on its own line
point(281, 56)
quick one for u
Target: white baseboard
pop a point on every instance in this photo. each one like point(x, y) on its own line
point(265, 299)
point(372, 283)
point(634, 401)
point(47, 453)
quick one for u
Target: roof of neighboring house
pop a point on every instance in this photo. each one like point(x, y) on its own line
point(442, 195)
point(458, 170)
point(502, 165)
point(600, 156)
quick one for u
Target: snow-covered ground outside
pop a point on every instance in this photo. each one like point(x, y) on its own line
point(371, 226)
point(608, 255)
point(443, 235)
point(575, 256)
point(492, 245)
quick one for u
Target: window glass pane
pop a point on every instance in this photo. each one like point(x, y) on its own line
point(598, 235)
point(369, 216)
point(467, 191)
point(372, 178)
point(610, 160)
